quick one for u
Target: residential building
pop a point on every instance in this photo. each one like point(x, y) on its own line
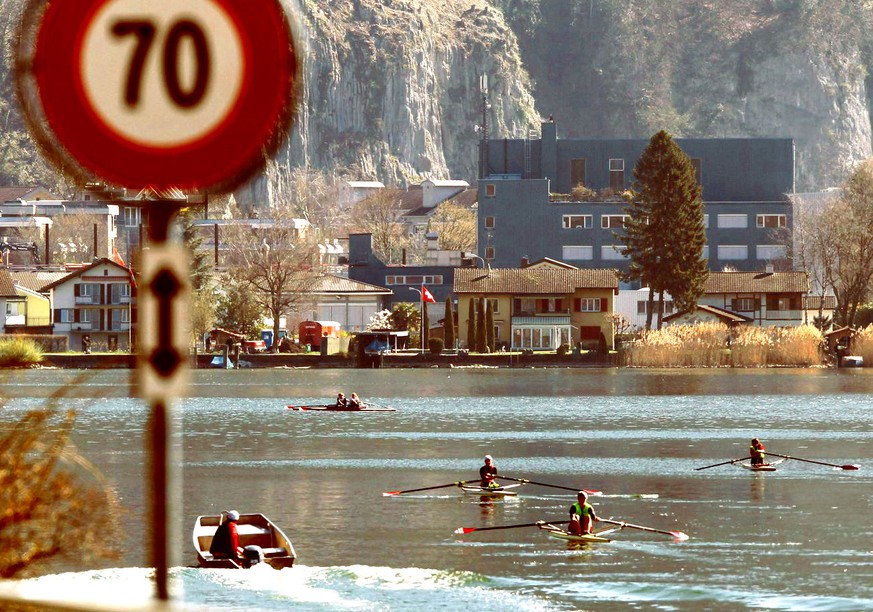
point(404, 281)
point(348, 302)
point(765, 299)
point(431, 194)
point(97, 303)
point(352, 192)
point(24, 310)
point(542, 306)
point(526, 208)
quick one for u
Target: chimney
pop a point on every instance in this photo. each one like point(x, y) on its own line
point(525, 262)
point(769, 268)
point(432, 241)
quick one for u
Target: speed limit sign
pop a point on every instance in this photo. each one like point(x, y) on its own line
point(161, 93)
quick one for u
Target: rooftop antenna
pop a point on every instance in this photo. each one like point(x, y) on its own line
point(483, 129)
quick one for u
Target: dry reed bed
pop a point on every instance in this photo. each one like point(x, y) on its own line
point(715, 345)
point(862, 344)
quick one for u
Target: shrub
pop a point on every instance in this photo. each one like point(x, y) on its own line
point(581, 193)
point(435, 345)
point(563, 349)
point(862, 345)
point(19, 352)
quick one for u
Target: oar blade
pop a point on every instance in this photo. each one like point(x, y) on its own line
point(463, 530)
point(391, 493)
point(850, 466)
point(680, 536)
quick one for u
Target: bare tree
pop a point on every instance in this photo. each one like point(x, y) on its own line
point(54, 504)
point(456, 227)
point(275, 258)
point(378, 216)
point(809, 251)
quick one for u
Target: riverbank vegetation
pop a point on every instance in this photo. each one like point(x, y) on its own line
point(715, 345)
point(19, 353)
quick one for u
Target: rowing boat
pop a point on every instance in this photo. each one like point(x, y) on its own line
point(561, 534)
point(333, 408)
point(764, 467)
point(257, 534)
point(501, 492)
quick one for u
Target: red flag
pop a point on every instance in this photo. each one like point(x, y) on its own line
point(427, 296)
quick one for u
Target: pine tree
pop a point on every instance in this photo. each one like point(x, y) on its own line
point(489, 326)
point(471, 325)
point(449, 325)
point(480, 327)
point(664, 236)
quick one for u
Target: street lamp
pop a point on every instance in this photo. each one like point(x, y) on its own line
point(484, 263)
point(421, 318)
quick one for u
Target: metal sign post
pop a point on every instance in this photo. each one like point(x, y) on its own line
point(165, 94)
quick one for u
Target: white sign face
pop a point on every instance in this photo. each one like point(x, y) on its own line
point(162, 73)
point(164, 296)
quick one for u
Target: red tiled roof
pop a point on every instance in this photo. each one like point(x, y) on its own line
point(7, 287)
point(526, 281)
point(756, 282)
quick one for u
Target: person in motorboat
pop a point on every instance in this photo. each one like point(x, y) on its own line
point(582, 515)
point(341, 401)
point(756, 452)
point(225, 542)
point(488, 473)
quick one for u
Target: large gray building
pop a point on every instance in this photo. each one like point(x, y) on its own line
point(526, 210)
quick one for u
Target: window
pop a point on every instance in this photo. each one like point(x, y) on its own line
point(490, 190)
point(698, 175)
point(771, 221)
point(588, 305)
point(427, 279)
point(643, 306)
point(705, 253)
point(577, 221)
point(770, 251)
point(577, 172)
point(613, 221)
point(706, 221)
point(612, 252)
point(66, 315)
point(492, 305)
point(733, 221)
point(616, 174)
point(745, 304)
point(131, 216)
point(86, 290)
point(729, 252)
point(489, 222)
point(15, 309)
point(86, 316)
point(489, 252)
point(578, 253)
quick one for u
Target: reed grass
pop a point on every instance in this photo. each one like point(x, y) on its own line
point(19, 353)
point(862, 344)
point(714, 344)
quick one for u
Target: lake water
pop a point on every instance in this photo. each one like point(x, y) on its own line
point(800, 538)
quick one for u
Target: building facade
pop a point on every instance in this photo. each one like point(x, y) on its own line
point(526, 208)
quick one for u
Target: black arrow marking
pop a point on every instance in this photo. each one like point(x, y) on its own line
point(165, 359)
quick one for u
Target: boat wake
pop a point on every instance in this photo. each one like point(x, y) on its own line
point(354, 587)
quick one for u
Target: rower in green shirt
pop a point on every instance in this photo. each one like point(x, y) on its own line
point(582, 515)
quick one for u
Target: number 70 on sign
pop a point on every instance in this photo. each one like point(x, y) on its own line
point(162, 83)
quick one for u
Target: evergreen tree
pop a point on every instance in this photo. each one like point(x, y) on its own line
point(480, 327)
point(471, 325)
point(489, 325)
point(449, 325)
point(664, 235)
point(199, 262)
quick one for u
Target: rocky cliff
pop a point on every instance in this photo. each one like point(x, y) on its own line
point(391, 86)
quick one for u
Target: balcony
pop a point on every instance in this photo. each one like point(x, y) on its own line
point(541, 313)
point(82, 326)
point(784, 315)
point(87, 299)
point(119, 327)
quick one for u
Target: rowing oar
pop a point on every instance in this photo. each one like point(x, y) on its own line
point(544, 484)
point(848, 466)
point(451, 484)
point(676, 534)
point(463, 530)
point(706, 467)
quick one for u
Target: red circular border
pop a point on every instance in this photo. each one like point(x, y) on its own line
point(232, 148)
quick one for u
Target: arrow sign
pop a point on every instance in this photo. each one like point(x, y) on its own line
point(165, 359)
point(163, 323)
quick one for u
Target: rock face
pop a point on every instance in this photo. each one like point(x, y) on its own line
point(391, 87)
point(780, 68)
point(391, 90)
